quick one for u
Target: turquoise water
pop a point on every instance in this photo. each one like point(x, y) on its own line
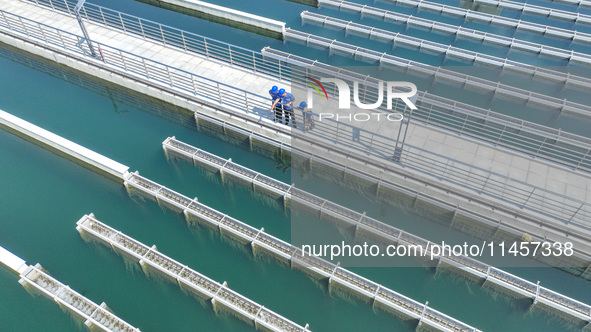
point(44, 195)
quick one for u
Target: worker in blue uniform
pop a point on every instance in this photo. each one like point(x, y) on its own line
point(276, 106)
point(287, 100)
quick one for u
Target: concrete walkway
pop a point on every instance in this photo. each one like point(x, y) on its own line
point(459, 153)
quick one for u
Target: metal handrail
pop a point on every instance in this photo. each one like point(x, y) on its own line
point(537, 199)
point(573, 150)
point(462, 118)
point(525, 8)
point(441, 27)
point(538, 10)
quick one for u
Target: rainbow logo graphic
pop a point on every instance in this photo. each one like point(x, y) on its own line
point(316, 87)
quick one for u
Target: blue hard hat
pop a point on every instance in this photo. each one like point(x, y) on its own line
point(303, 104)
point(274, 88)
point(281, 92)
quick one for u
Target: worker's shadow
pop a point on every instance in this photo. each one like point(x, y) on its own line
point(262, 113)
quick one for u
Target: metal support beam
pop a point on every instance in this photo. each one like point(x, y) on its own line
point(82, 27)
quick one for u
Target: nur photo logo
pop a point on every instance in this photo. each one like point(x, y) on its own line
point(394, 90)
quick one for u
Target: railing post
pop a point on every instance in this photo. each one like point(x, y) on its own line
point(86, 14)
point(59, 35)
point(502, 133)
point(230, 54)
point(528, 197)
point(485, 182)
point(8, 23)
point(145, 68)
point(194, 85)
point(101, 53)
point(206, 48)
point(183, 38)
point(464, 124)
point(162, 34)
point(122, 24)
point(246, 100)
point(279, 67)
point(429, 115)
point(43, 34)
point(103, 16)
point(24, 27)
point(582, 159)
point(254, 62)
point(541, 146)
point(142, 28)
point(123, 60)
point(574, 214)
point(169, 76)
point(67, 7)
point(219, 93)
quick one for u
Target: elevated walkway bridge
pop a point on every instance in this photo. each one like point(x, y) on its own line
point(540, 141)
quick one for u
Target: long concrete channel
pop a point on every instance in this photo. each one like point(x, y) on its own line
point(447, 29)
point(380, 296)
point(187, 279)
point(193, 210)
point(95, 317)
point(521, 7)
point(363, 223)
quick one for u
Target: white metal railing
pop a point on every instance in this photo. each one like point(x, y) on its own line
point(520, 194)
point(518, 67)
point(527, 8)
point(433, 110)
point(448, 29)
point(496, 20)
point(170, 36)
point(524, 8)
point(142, 68)
point(578, 3)
point(531, 138)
